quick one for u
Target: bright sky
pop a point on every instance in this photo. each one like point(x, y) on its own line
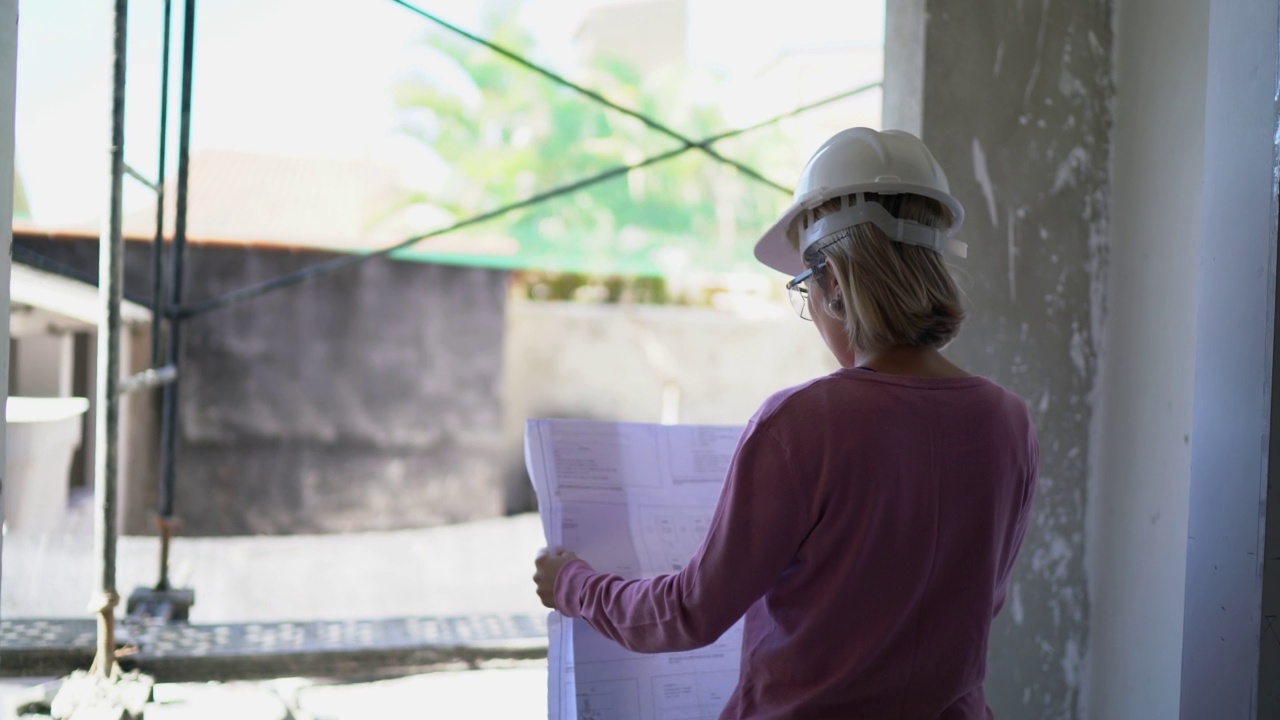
point(306, 77)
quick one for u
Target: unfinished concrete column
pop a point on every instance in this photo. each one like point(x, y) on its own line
point(1230, 640)
point(8, 89)
point(1013, 98)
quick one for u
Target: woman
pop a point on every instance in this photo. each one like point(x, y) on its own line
point(871, 517)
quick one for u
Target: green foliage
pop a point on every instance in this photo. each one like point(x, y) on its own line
point(506, 133)
point(579, 287)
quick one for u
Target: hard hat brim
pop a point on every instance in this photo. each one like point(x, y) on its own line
point(775, 250)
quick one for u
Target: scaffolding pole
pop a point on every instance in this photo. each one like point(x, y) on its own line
point(157, 245)
point(169, 410)
point(110, 292)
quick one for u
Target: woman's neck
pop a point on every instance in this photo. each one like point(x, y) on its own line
point(912, 361)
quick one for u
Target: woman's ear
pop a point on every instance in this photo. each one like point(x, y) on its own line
point(833, 294)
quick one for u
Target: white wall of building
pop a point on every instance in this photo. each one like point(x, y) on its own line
point(1184, 395)
point(42, 365)
point(8, 80)
point(1235, 297)
point(1141, 471)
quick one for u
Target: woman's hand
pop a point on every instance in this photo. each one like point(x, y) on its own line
point(547, 566)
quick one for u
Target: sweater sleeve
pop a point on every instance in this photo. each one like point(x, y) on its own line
point(756, 528)
point(1019, 532)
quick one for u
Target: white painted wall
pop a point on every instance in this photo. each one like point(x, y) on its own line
point(1138, 493)
point(8, 85)
point(1235, 299)
point(43, 365)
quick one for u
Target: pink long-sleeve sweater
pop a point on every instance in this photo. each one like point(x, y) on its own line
point(866, 528)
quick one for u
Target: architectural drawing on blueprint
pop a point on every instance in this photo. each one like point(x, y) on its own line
point(668, 536)
point(700, 455)
point(609, 700)
point(635, 500)
point(590, 455)
point(692, 697)
point(689, 685)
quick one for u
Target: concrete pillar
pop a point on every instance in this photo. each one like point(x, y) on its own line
point(1269, 652)
point(1184, 389)
point(1235, 295)
point(8, 86)
point(1139, 497)
point(1142, 472)
point(1167, 432)
point(1014, 99)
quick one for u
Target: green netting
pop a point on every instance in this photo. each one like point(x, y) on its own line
point(657, 257)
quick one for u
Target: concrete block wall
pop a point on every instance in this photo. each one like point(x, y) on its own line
point(365, 400)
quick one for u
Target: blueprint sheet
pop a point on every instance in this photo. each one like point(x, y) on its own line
point(635, 500)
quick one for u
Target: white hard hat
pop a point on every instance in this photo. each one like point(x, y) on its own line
point(862, 160)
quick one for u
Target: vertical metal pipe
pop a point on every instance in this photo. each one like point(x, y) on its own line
point(110, 291)
point(169, 419)
point(157, 248)
point(157, 260)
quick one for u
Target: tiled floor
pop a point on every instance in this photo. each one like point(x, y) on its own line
point(516, 692)
point(233, 651)
point(375, 599)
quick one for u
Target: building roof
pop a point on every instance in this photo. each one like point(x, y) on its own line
point(647, 34)
point(40, 301)
point(345, 205)
point(310, 202)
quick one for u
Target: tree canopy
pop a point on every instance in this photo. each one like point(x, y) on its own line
point(504, 134)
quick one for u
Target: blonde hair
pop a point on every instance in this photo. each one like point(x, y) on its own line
point(893, 293)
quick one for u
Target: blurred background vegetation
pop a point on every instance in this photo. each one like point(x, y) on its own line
point(505, 134)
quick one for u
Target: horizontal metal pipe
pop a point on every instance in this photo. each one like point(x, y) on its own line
point(153, 377)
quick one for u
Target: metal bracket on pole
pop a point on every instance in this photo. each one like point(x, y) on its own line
point(128, 170)
point(153, 377)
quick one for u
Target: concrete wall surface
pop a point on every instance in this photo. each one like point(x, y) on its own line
point(1117, 159)
point(1234, 391)
point(369, 399)
point(1269, 652)
point(1139, 494)
point(1014, 99)
point(8, 85)
point(612, 362)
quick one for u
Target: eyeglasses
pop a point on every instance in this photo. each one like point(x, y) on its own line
point(798, 291)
